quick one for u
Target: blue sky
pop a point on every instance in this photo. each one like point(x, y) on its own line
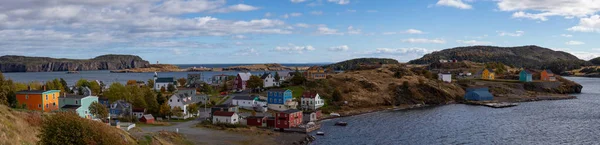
point(291, 31)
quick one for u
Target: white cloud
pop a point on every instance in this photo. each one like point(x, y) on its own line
point(574, 42)
point(247, 52)
point(316, 12)
point(324, 30)
point(341, 2)
point(352, 30)
point(566, 8)
point(302, 25)
point(521, 14)
point(291, 15)
point(566, 35)
point(297, 1)
point(399, 51)
point(421, 40)
point(413, 31)
point(239, 37)
point(237, 8)
point(339, 48)
point(591, 24)
point(268, 14)
point(454, 3)
point(515, 34)
point(473, 42)
point(372, 11)
point(291, 48)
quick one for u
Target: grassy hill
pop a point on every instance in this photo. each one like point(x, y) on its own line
point(359, 63)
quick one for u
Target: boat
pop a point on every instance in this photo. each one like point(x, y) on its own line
point(341, 123)
point(335, 114)
point(320, 133)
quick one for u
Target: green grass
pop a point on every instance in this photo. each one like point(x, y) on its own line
point(296, 91)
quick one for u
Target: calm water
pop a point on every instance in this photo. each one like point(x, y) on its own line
point(574, 121)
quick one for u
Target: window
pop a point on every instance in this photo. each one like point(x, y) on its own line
point(26, 96)
point(46, 97)
point(76, 102)
point(170, 100)
point(53, 97)
point(39, 105)
point(46, 105)
point(54, 104)
point(233, 119)
point(177, 100)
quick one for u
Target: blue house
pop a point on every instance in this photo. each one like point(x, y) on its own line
point(279, 96)
point(525, 76)
point(478, 94)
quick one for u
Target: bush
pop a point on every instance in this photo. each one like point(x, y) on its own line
point(68, 128)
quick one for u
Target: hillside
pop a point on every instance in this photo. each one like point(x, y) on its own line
point(522, 56)
point(12, 63)
point(359, 63)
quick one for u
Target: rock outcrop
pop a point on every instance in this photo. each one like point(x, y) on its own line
point(11, 63)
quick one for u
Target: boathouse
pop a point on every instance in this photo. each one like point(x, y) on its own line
point(478, 94)
point(525, 76)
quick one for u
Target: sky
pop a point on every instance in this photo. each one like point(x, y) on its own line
point(291, 31)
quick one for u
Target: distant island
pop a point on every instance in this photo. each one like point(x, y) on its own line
point(13, 63)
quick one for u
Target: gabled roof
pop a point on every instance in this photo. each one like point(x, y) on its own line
point(256, 117)
point(527, 71)
point(121, 104)
point(309, 94)
point(71, 107)
point(315, 68)
point(277, 90)
point(549, 71)
point(290, 111)
point(246, 97)
point(265, 75)
point(187, 98)
point(148, 116)
point(223, 113)
point(224, 106)
point(165, 80)
point(72, 96)
point(32, 91)
point(245, 76)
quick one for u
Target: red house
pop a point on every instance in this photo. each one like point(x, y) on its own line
point(288, 119)
point(148, 119)
point(258, 121)
point(240, 80)
point(271, 122)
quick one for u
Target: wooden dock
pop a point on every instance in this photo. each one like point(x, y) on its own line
point(304, 129)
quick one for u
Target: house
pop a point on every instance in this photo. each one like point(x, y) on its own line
point(218, 79)
point(258, 121)
point(288, 119)
point(269, 80)
point(478, 94)
point(104, 101)
point(163, 82)
point(315, 73)
point(488, 74)
point(285, 76)
point(277, 99)
point(225, 117)
point(270, 122)
point(445, 77)
point(148, 119)
point(223, 108)
point(185, 97)
point(311, 101)
point(547, 75)
point(311, 116)
point(68, 102)
point(525, 76)
point(40, 100)
point(193, 80)
point(138, 112)
point(240, 80)
point(249, 102)
point(120, 108)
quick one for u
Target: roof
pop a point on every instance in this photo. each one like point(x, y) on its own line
point(490, 70)
point(34, 91)
point(549, 71)
point(314, 68)
point(291, 73)
point(255, 117)
point(277, 90)
point(246, 97)
point(291, 111)
point(121, 104)
point(245, 76)
point(138, 110)
point(309, 94)
point(71, 106)
point(224, 106)
point(186, 88)
point(148, 116)
point(165, 80)
point(265, 75)
point(72, 96)
point(102, 99)
point(223, 113)
point(187, 98)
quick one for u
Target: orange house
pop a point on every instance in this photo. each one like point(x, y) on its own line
point(547, 75)
point(40, 100)
point(315, 72)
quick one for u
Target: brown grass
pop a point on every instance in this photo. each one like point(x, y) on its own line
point(18, 127)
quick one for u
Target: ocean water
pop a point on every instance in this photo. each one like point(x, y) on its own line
point(575, 121)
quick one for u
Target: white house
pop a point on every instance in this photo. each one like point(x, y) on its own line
point(138, 112)
point(269, 80)
point(163, 82)
point(446, 77)
point(311, 101)
point(240, 80)
point(183, 98)
point(225, 117)
point(249, 102)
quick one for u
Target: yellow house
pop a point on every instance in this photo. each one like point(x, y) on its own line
point(488, 74)
point(315, 73)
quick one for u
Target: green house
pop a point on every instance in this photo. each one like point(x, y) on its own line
point(78, 103)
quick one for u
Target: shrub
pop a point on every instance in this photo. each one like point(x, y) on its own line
point(68, 128)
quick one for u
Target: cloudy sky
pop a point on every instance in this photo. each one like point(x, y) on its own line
point(290, 31)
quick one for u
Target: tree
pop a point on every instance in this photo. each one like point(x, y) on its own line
point(165, 110)
point(151, 101)
point(277, 77)
point(177, 111)
point(182, 81)
point(5, 89)
point(337, 96)
point(192, 109)
point(224, 88)
point(136, 95)
point(298, 79)
point(171, 88)
point(95, 88)
point(131, 82)
point(150, 83)
point(255, 82)
point(65, 85)
point(82, 83)
point(163, 89)
point(98, 110)
point(160, 99)
point(117, 91)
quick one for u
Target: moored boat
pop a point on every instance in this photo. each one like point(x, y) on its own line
point(341, 123)
point(320, 133)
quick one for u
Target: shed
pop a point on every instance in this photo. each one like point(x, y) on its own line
point(478, 94)
point(148, 119)
point(259, 121)
point(525, 76)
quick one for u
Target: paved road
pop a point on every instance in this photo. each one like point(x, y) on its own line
point(228, 101)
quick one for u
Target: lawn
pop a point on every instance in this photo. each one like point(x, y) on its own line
point(296, 91)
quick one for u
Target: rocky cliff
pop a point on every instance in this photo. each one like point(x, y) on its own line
point(11, 63)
